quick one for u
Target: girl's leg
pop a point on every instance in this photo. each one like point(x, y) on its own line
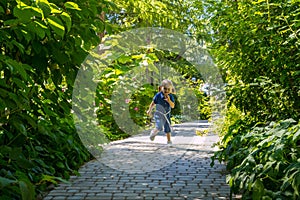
point(158, 126)
point(155, 131)
point(168, 130)
point(169, 137)
point(153, 134)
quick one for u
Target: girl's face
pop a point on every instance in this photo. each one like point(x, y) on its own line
point(167, 89)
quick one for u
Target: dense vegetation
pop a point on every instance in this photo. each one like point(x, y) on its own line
point(254, 43)
point(43, 44)
point(141, 91)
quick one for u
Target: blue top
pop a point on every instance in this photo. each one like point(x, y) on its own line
point(161, 104)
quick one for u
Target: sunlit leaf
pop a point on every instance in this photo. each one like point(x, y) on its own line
point(72, 5)
point(45, 6)
point(67, 20)
point(56, 25)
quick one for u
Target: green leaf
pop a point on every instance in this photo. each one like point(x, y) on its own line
point(258, 190)
point(55, 9)
point(286, 183)
point(16, 67)
point(124, 59)
point(19, 83)
point(12, 22)
point(5, 182)
point(296, 183)
point(67, 19)
point(45, 6)
point(47, 178)
point(266, 198)
point(30, 120)
point(56, 25)
point(14, 153)
point(108, 28)
point(1, 9)
point(27, 35)
point(27, 190)
point(20, 127)
point(60, 165)
point(39, 29)
point(71, 5)
point(100, 24)
point(57, 78)
point(39, 148)
point(53, 179)
point(296, 135)
point(27, 13)
point(18, 45)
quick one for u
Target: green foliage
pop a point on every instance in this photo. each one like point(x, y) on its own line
point(255, 44)
point(42, 44)
point(138, 85)
point(176, 15)
point(264, 162)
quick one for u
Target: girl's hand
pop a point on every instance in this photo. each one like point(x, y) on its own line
point(149, 113)
point(167, 98)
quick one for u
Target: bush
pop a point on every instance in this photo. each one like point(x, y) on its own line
point(264, 162)
point(42, 44)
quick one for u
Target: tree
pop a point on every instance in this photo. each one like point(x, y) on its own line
point(42, 46)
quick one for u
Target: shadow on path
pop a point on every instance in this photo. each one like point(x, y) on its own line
point(137, 168)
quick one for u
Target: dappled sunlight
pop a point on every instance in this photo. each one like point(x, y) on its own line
point(137, 154)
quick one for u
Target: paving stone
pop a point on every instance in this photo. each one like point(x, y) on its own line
point(60, 198)
point(180, 172)
point(49, 197)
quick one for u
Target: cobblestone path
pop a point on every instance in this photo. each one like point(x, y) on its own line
point(137, 168)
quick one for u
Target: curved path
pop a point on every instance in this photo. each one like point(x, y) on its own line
point(137, 168)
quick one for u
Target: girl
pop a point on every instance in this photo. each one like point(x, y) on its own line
point(164, 102)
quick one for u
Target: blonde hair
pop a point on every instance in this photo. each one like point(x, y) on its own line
point(167, 83)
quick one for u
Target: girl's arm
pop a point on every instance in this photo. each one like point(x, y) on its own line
point(152, 104)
